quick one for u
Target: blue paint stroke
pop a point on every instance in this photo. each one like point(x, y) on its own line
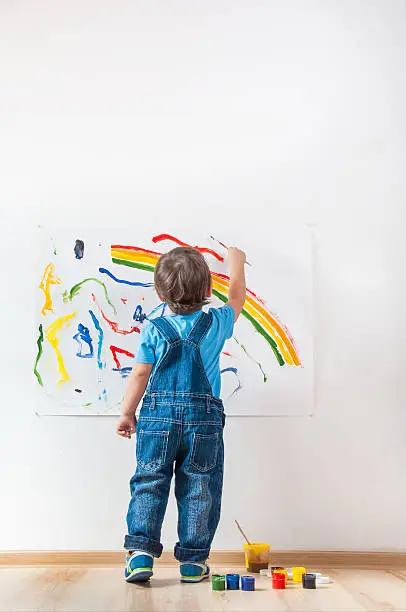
point(125, 372)
point(123, 281)
point(83, 336)
point(79, 249)
point(100, 341)
point(234, 371)
point(154, 310)
point(139, 315)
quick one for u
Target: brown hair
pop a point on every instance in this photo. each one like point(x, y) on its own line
point(182, 280)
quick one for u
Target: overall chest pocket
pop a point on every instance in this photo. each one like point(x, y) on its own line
point(204, 451)
point(151, 449)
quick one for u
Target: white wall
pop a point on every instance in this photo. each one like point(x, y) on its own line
point(244, 112)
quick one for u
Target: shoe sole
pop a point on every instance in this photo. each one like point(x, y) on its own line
point(142, 576)
point(197, 579)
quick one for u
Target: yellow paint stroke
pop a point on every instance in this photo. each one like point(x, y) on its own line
point(135, 256)
point(51, 334)
point(49, 278)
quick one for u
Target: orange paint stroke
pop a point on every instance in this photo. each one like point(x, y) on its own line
point(48, 278)
point(52, 335)
point(114, 326)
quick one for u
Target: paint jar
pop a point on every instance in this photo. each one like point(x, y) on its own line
point(278, 581)
point(218, 582)
point(309, 581)
point(247, 583)
point(283, 572)
point(233, 582)
point(297, 573)
point(256, 556)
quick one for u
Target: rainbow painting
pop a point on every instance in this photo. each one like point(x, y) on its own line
point(255, 310)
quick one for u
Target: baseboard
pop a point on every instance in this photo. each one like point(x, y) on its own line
point(284, 558)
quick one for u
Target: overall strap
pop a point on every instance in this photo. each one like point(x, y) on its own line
point(200, 328)
point(167, 330)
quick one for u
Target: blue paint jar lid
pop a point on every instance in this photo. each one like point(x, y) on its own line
point(233, 582)
point(248, 583)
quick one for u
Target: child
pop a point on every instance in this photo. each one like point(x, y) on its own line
point(180, 428)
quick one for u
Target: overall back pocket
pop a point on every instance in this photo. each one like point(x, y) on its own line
point(151, 449)
point(204, 451)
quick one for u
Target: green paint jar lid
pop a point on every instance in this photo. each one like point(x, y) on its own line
point(218, 582)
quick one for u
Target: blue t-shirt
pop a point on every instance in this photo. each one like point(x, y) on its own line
point(152, 346)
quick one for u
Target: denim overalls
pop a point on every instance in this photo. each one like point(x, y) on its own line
point(180, 429)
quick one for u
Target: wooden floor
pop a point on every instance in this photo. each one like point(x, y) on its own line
point(80, 589)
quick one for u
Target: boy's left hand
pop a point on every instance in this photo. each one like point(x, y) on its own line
point(126, 426)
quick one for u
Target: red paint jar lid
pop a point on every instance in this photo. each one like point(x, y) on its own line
point(278, 581)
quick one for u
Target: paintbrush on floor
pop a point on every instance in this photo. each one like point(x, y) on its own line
point(225, 247)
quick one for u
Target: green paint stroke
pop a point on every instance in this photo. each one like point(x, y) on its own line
point(132, 264)
point(40, 340)
point(264, 374)
point(258, 327)
point(68, 296)
point(87, 404)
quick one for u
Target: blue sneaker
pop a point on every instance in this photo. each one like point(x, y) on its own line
point(138, 567)
point(194, 572)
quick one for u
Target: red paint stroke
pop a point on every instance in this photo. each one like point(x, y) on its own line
point(117, 349)
point(226, 353)
point(114, 326)
point(134, 248)
point(124, 300)
point(180, 243)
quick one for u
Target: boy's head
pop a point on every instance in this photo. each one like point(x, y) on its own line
point(182, 280)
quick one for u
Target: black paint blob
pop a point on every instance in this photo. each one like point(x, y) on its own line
point(79, 249)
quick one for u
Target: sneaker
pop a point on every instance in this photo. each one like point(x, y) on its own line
point(194, 572)
point(138, 567)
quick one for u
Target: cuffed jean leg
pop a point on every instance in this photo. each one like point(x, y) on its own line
point(199, 503)
point(149, 498)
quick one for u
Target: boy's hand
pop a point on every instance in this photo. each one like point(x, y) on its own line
point(126, 426)
point(236, 257)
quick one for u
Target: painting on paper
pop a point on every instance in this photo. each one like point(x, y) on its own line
point(95, 293)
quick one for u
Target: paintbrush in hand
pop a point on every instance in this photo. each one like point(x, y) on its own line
point(225, 247)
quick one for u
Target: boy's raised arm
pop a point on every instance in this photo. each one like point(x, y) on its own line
point(237, 291)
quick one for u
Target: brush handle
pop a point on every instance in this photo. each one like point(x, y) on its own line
point(242, 533)
point(226, 247)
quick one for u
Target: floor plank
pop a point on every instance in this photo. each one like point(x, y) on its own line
point(102, 589)
point(377, 591)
